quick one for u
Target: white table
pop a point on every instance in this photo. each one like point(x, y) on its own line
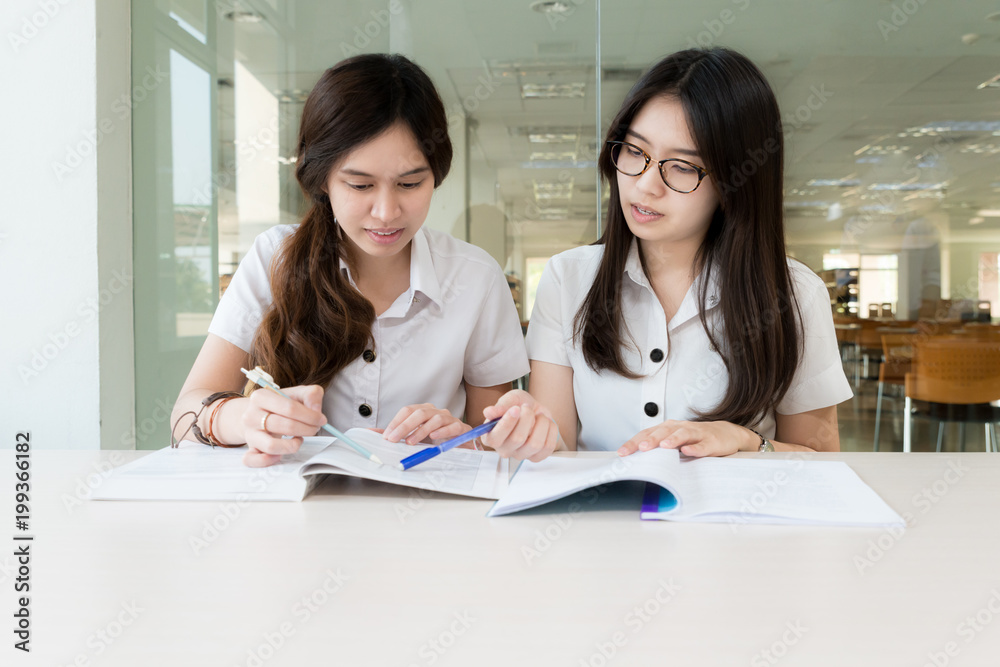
point(435, 582)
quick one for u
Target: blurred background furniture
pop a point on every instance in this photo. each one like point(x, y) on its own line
point(954, 378)
point(897, 358)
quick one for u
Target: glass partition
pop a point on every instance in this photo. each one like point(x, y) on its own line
point(890, 115)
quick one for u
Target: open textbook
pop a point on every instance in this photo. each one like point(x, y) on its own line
point(734, 490)
point(196, 472)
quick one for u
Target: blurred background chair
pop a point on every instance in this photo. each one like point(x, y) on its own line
point(954, 379)
point(897, 358)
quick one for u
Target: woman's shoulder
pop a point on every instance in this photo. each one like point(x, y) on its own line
point(806, 283)
point(267, 243)
point(579, 260)
point(802, 276)
point(274, 236)
point(444, 246)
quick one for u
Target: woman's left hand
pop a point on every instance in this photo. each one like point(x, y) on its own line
point(693, 438)
point(417, 422)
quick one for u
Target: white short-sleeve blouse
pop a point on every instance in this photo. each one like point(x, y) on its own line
point(455, 324)
point(680, 374)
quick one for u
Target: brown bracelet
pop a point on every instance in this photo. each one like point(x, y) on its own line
point(194, 428)
point(211, 422)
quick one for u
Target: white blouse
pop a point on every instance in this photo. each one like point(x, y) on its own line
point(681, 374)
point(456, 323)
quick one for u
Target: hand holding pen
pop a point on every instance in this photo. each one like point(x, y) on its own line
point(281, 412)
point(269, 416)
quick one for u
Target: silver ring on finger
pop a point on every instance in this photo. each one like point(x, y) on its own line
point(263, 421)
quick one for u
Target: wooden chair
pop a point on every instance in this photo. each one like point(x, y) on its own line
point(897, 352)
point(959, 379)
point(981, 331)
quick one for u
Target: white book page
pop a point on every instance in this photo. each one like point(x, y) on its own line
point(194, 471)
point(777, 491)
point(561, 475)
point(464, 472)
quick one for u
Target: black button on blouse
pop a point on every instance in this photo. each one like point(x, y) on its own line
point(651, 409)
point(365, 410)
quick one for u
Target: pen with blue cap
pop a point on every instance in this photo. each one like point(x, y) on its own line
point(430, 452)
point(259, 376)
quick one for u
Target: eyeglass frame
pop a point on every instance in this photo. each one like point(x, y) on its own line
point(702, 172)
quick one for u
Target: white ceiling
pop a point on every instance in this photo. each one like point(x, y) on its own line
point(885, 72)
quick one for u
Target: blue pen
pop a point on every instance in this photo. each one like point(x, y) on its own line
point(258, 376)
point(431, 452)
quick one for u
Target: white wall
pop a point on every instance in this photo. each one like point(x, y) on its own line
point(65, 237)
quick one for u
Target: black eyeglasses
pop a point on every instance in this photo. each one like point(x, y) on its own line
point(679, 175)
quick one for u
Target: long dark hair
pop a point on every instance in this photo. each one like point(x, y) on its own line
point(318, 323)
point(735, 122)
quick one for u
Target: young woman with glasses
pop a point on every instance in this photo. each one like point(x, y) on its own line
point(366, 317)
point(685, 326)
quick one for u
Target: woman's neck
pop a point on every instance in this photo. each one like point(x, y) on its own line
point(671, 270)
point(380, 279)
point(670, 261)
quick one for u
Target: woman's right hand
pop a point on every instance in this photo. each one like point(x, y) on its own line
point(526, 429)
point(298, 418)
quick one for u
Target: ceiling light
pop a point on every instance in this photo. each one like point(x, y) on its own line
point(241, 16)
point(834, 182)
point(551, 213)
point(553, 137)
point(552, 90)
point(549, 7)
point(954, 126)
point(977, 220)
point(906, 187)
point(989, 212)
point(806, 204)
point(552, 155)
point(879, 149)
point(551, 191)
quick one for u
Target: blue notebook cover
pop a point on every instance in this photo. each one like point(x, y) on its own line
point(656, 499)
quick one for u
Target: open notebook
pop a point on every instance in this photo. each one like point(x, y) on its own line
point(758, 490)
point(196, 472)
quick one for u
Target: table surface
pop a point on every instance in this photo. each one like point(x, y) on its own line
point(362, 573)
